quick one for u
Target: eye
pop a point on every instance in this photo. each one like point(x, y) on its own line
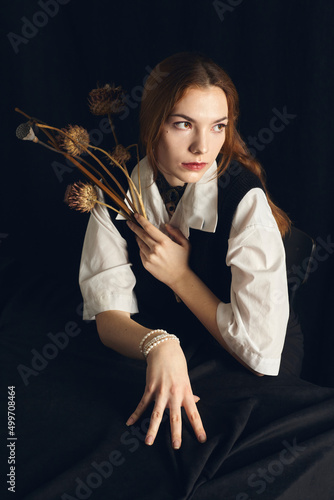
point(183, 125)
point(219, 127)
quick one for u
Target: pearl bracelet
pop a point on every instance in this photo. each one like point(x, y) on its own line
point(156, 341)
point(146, 337)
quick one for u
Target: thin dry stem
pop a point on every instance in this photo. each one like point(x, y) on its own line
point(106, 188)
point(132, 186)
point(109, 206)
point(96, 181)
point(140, 199)
point(53, 141)
point(95, 158)
point(112, 128)
point(113, 178)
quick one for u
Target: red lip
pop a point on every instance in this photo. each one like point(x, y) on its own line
point(194, 166)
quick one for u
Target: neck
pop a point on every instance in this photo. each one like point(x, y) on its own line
point(171, 195)
point(171, 181)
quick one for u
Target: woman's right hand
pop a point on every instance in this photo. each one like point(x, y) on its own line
point(168, 384)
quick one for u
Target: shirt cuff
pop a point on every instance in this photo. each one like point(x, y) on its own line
point(244, 350)
point(109, 301)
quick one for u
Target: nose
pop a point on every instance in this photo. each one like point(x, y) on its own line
point(199, 144)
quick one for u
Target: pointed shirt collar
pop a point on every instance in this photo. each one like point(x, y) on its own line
point(197, 208)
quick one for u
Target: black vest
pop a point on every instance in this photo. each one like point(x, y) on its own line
point(156, 302)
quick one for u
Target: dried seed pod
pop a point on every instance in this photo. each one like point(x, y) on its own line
point(107, 100)
point(81, 196)
point(77, 140)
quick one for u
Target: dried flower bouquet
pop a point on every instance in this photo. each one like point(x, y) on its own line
point(73, 141)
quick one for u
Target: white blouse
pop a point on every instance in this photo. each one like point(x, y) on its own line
point(254, 323)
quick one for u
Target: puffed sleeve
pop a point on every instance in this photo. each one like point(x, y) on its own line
point(106, 278)
point(254, 323)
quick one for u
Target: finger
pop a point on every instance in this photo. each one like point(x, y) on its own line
point(143, 247)
point(176, 426)
point(195, 419)
point(145, 253)
point(150, 242)
point(143, 404)
point(177, 235)
point(150, 229)
point(155, 422)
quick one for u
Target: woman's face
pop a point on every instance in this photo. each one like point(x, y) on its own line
point(192, 135)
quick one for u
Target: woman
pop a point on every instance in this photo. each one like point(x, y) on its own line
point(194, 301)
point(171, 268)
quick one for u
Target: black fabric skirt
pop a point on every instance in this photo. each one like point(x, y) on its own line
point(268, 437)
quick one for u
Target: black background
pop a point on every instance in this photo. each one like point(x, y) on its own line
point(279, 54)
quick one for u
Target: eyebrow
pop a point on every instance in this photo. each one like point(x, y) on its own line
point(192, 120)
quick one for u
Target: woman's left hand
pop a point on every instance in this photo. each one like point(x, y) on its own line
point(164, 258)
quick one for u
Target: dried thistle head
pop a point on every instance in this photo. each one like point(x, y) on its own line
point(26, 132)
point(81, 196)
point(121, 154)
point(77, 142)
point(107, 100)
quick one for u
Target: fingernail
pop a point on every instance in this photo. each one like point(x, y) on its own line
point(130, 421)
point(129, 223)
point(136, 216)
point(202, 438)
point(176, 444)
point(149, 440)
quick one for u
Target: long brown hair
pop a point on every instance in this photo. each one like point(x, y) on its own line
point(165, 87)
